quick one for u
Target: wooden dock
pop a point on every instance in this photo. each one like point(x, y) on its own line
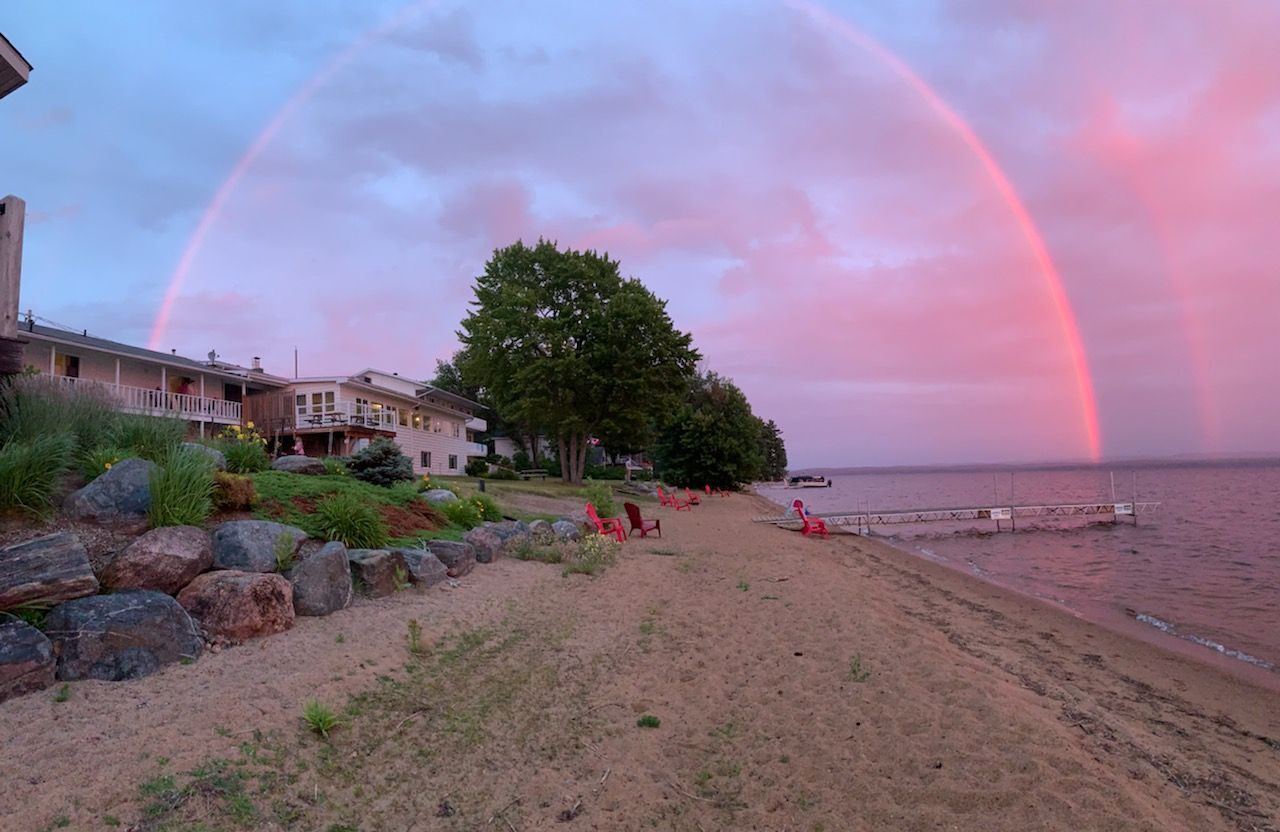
point(865, 519)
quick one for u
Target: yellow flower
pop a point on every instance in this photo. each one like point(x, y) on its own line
point(107, 466)
point(248, 425)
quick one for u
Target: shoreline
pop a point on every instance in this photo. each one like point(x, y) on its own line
point(1154, 632)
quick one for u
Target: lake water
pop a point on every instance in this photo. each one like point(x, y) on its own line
point(1202, 572)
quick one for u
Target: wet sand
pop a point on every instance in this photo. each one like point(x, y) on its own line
point(800, 685)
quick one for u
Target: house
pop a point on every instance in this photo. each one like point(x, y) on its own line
point(339, 415)
point(14, 69)
point(207, 394)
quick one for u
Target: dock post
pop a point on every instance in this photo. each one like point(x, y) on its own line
point(1013, 520)
point(1135, 498)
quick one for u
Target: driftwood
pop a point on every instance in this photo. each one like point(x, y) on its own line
point(44, 571)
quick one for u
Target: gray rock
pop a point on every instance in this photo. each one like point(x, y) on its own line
point(542, 532)
point(47, 569)
point(250, 545)
point(458, 558)
point(298, 464)
point(239, 605)
point(425, 569)
point(165, 559)
point(121, 495)
point(124, 635)
point(26, 658)
point(215, 456)
point(487, 542)
point(566, 530)
point(322, 582)
point(379, 571)
point(439, 496)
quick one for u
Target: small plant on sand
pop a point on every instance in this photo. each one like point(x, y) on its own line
point(648, 721)
point(857, 673)
point(400, 579)
point(416, 646)
point(743, 585)
point(594, 553)
point(63, 694)
point(284, 550)
point(319, 718)
point(344, 517)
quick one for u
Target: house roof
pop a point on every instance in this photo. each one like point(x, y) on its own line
point(14, 69)
point(86, 341)
point(439, 392)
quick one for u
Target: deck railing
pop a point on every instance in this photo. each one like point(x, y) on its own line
point(335, 414)
point(146, 402)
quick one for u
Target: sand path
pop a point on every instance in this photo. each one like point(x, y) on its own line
point(979, 709)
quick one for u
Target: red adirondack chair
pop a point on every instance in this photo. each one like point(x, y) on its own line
point(638, 522)
point(607, 525)
point(812, 525)
point(720, 492)
point(694, 499)
point(673, 501)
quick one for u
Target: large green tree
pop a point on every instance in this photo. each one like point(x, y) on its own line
point(564, 344)
point(773, 451)
point(712, 438)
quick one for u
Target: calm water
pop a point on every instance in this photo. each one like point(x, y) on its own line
point(1204, 569)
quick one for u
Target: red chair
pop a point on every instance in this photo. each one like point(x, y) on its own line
point(719, 492)
point(638, 522)
point(672, 500)
point(812, 525)
point(693, 499)
point(608, 525)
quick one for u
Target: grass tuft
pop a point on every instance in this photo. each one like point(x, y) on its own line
point(648, 721)
point(182, 490)
point(30, 471)
point(319, 718)
point(343, 517)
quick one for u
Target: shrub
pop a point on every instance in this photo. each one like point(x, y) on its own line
point(233, 492)
point(335, 466)
point(404, 493)
point(319, 718)
point(497, 473)
point(30, 470)
point(593, 554)
point(476, 467)
point(601, 496)
point(357, 525)
point(245, 457)
point(381, 463)
point(95, 462)
point(182, 490)
point(488, 507)
point(464, 513)
point(36, 406)
point(150, 437)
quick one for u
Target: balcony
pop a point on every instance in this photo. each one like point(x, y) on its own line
point(477, 449)
point(345, 414)
point(144, 402)
point(475, 423)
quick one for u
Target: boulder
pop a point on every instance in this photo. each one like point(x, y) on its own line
point(458, 558)
point(379, 571)
point(216, 457)
point(252, 545)
point(439, 496)
point(239, 605)
point(50, 568)
point(566, 530)
point(164, 559)
point(425, 569)
point(487, 543)
point(322, 581)
point(298, 464)
point(119, 496)
point(26, 658)
point(124, 635)
point(542, 532)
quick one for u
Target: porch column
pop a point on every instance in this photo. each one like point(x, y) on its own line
point(202, 387)
point(52, 354)
point(117, 372)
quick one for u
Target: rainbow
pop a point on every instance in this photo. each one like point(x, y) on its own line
point(1065, 315)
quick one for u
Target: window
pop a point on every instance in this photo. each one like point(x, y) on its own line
point(402, 416)
point(66, 365)
point(457, 429)
point(453, 462)
point(426, 459)
point(362, 406)
point(323, 402)
point(417, 421)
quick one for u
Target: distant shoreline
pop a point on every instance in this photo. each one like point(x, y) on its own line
point(1261, 461)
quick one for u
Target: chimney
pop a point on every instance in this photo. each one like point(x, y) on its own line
point(256, 366)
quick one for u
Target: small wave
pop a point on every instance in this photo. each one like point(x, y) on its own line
point(1171, 629)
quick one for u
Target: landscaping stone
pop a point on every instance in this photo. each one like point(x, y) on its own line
point(164, 559)
point(298, 464)
point(487, 542)
point(458, 558)
point(240, 605)
point(26, 658)
point(121, 495)
point(215, 456)
point(322, 582)
point(566, 530)
point(425, 569)
point(542, 532)
point(125, 635)
point(439, 496)
point(375, 569)
point(250, 545)
point(47, 569)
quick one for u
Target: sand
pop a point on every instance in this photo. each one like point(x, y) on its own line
point(800, 685)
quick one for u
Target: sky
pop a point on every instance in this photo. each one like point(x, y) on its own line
point(912, 232)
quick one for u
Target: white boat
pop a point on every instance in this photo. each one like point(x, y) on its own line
point(806, 481)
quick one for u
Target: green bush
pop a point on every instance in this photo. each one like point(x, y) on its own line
point(182, 490)
point(335, 466)
point(345, 518)
point(404, 493)
point(488, 507)
point(594, 553)
point(464, 513)
point(36, 406)
point(476, 467)
point(601, 496)
point(149, 437)
point(497, 473)
point(95, 462)
point(244, 457)
point(381, 463)
point(30, 470)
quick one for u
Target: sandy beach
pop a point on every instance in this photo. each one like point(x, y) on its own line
point(798, 685)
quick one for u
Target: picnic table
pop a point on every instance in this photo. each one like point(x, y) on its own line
point(530, 473)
